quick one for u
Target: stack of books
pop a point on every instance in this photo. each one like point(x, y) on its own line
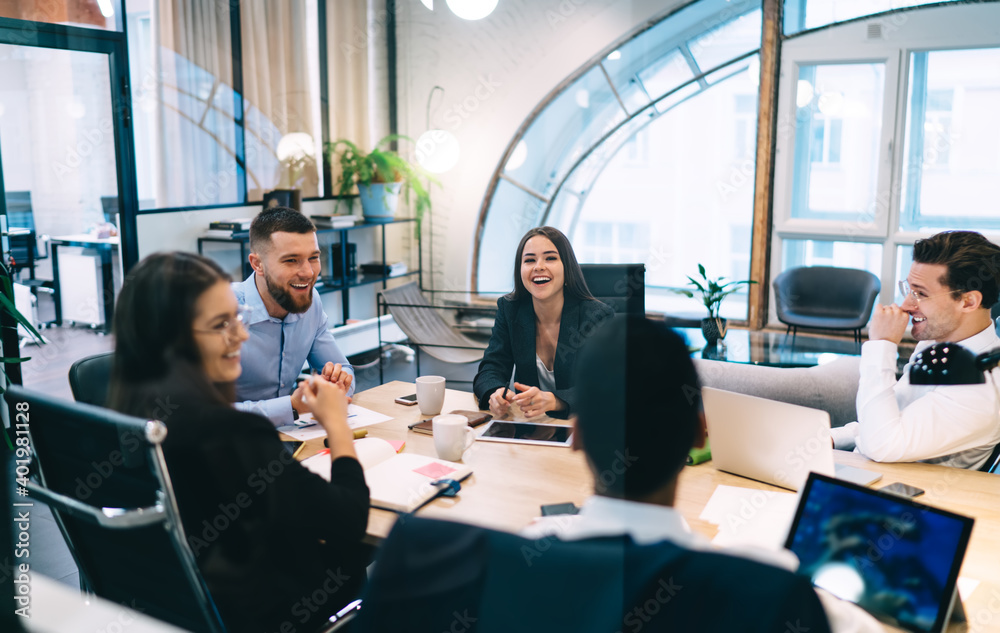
point(233, 229)
point(330, 221)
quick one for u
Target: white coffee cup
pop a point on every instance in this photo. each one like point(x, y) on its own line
point(452, 435)
point(430, 394)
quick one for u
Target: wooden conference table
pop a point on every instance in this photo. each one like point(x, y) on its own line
point(510, 482)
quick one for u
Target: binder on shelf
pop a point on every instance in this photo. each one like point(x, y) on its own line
point(337, 261)
point(239, 224)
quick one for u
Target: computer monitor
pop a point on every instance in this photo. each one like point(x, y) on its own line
point(110, 206)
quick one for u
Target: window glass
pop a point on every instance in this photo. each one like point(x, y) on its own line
point(796, 253)
point(728, 41)
point(571, 125)
point(838, 123)
point(904, 260)
point(199, 143)
point(650, 199)
point(952, 147)
point(281, 91)
point(801, 15)
point(666, 73)
point(513, 212)
point(182, 91)
point(93, 14)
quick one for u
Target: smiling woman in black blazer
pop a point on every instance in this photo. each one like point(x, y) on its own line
point(540, 327)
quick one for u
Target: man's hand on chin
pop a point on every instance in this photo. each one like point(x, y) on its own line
point(888, 324)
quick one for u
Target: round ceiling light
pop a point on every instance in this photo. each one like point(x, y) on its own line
point(472, 9)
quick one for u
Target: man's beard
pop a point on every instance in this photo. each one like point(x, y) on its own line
point(285, 299)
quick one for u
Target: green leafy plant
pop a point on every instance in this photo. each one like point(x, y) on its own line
point(381, 165)
point(7, 305)
point(712, 291)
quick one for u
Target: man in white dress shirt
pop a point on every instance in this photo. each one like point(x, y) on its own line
point(949, 291)
point(639, 416)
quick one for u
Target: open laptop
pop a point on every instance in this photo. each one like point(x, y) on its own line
point(896, 558)
point(770, 441)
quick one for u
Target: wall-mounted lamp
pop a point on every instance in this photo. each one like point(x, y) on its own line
point(437, 150)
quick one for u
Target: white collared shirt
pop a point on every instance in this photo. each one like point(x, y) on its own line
point(951, 425)
point(648, 523)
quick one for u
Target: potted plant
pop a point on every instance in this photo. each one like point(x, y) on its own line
point(381, 175)
point(713, 291)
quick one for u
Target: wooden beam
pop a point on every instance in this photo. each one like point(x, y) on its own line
point(767, 117)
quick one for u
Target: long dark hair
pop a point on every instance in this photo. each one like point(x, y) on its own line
point(575, 285)
point(155, 349)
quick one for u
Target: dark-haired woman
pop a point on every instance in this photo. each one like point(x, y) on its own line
point(268, 535)
point(540, 327)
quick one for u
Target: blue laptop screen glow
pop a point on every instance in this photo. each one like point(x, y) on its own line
point(896, 559)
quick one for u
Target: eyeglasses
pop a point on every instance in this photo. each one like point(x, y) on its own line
point(230, 329)
point(918, 296)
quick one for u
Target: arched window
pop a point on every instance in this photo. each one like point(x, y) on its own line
point(646, 155)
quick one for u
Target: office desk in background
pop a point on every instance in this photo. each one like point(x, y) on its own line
point(510, 482)
point(79, 291)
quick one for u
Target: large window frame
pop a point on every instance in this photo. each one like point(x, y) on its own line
point(240, 123)
point(924, 32)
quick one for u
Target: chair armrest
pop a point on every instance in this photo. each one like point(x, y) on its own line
point(112, 518)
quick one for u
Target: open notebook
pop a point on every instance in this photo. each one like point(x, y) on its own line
point(397, 482)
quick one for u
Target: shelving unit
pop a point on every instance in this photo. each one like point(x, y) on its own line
point(343, 282)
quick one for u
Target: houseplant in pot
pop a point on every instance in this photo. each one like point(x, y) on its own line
point(381, 175)
point(712, 292)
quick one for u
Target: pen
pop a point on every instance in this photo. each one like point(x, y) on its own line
point(505, 392)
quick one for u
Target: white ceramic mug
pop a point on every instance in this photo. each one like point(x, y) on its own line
point(430, 394)
point(452, 436)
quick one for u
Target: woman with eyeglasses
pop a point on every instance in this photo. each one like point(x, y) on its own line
point(268, 535)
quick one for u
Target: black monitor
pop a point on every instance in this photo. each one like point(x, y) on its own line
point(110, 206)
point(19, 213)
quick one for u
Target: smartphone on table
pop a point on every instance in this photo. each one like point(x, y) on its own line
point(407, 401)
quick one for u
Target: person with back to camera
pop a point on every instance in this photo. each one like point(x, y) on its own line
point(287, 533)
point(540, 327)
point(637, 419)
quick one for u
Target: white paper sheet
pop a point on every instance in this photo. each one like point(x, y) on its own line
point(357, 417)
point(747, 516)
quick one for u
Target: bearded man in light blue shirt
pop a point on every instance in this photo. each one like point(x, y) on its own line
point(287, 324)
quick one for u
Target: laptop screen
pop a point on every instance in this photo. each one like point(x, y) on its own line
point(895, 558)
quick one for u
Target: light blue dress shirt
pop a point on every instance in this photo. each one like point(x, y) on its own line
point(276, 351)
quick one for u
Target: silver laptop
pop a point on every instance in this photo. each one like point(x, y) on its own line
point(770, 441)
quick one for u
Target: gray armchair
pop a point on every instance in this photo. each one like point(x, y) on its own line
point(826, 298)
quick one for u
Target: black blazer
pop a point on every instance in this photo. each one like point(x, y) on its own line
point(266, 532)
point(513, 345)
point(432, 574)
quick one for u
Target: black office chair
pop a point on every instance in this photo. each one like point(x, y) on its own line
point(621, 286)
point(105, 478)
point(89, 378)
point(826, 298)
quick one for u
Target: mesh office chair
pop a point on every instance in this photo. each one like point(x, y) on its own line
point(105, 478)
point(24, 241)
